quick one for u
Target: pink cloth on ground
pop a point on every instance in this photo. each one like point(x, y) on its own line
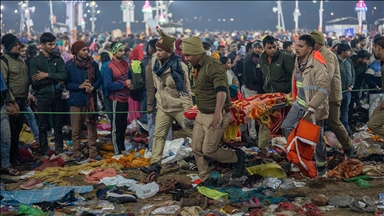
point(134, 109)
point(96, 175)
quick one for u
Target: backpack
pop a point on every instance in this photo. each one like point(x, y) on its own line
point(138, 84)
point(238, 69)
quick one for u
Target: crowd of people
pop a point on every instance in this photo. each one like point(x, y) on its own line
point(154, 81)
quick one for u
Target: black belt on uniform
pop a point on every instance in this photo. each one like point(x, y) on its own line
point(226, 110)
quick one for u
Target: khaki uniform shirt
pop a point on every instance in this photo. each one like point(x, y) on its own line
point(210, 76)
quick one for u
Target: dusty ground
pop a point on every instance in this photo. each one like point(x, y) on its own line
point(331, 189)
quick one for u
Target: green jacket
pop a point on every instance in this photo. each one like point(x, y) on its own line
point(55, 67)
point(16, 72)
point(278, 75)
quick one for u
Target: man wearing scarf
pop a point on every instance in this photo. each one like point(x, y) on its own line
point(83, 81)
point(15, 73)
point(118, 83)
point(167, 76)
point(48, 71)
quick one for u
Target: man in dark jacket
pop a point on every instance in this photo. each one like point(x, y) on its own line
point(6, 104)
point(15, 74)
point(83, 81)
point(48, 71)
point(360, 64)
point(252, 83)
point(277, 68)
point(347, 75)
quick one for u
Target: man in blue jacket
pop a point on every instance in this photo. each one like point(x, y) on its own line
point(83, 80)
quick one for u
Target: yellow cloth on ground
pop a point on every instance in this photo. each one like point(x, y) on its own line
point(231, 133)
point(55, 174)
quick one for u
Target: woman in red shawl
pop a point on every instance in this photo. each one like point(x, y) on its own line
point(134, 108)
point(178, 51)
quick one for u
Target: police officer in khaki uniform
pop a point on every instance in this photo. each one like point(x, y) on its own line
point(167, 80)
point(213, 103)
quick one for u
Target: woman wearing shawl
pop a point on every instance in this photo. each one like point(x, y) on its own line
point(134, 108)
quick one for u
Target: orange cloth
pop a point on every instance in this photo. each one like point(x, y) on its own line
point(96, 175)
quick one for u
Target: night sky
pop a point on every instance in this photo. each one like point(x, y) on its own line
point(247, 15)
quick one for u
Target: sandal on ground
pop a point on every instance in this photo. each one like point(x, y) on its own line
point(11, 171)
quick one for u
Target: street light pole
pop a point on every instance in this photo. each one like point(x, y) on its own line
point(51, 13)
point(320, 28)
point(147, 10)
point(93, 11)
point(296, 15)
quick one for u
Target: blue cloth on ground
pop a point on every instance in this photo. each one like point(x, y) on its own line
point(37, 196)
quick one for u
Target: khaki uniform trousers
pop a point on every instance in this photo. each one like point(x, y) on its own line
point(263, 139)
point(376, 122)
point(336, 126)
point(205, 143)
point(77, 121)
point(163, 124)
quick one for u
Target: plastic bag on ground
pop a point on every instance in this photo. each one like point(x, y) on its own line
point(146, 191)
point(175, 150)
point(331, 139)
point(166, 210)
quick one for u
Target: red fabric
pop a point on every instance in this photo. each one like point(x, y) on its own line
point(254, 107)
point(57, 162)
point(178, 50)
point(137, 53)
point(191, 113)
point(25, 155)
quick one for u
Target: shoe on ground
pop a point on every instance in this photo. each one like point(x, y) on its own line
point(322, 171)
point(97, 157)
point(32, 184)
point(121, 198)
point(77, 159)
point(350, 152)
point(155, 167)
point(240, 164)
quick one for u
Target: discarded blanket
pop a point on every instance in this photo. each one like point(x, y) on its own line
point(37, 196)
point(96, 175)
point(347, 169)
point(261, 107)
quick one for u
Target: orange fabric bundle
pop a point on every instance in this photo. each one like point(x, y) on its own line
point(347, 169)
point(301, 145)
